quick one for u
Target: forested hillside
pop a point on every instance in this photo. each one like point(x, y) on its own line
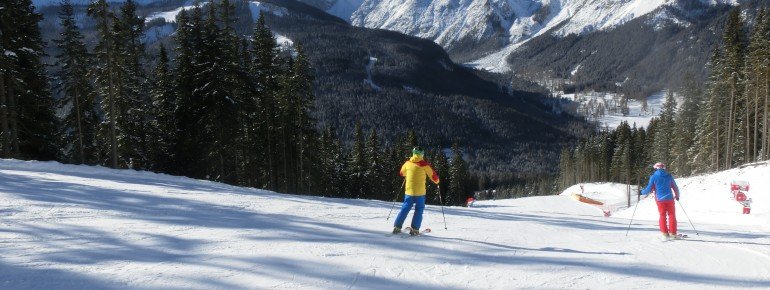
point(721, 124)
point(416, 86)
point(210, 93)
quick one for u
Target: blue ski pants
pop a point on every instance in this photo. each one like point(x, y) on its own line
point(419, 206)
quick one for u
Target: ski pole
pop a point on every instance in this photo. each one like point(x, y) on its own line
point(442, 205)
point(395, 199)
point(688, 218)
point(632, 215)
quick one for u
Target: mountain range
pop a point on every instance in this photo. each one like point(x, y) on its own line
point(560, 39)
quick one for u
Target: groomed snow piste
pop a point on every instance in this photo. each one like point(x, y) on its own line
point(80, 227)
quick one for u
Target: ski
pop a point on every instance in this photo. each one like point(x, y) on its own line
point(405, 232)
point(409, 229)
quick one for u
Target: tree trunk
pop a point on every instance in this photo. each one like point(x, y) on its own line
point(270, 171)
point(285, 159)
point(301, 156)
point(730, 127)
point(113, 117)
point(4, 122)
point(756, 118)
point(747, 120)
point(81, 151)
point(766, 138)
point(13, 121)
point(715, 106)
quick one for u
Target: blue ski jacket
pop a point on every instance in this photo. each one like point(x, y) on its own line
point(662, 184)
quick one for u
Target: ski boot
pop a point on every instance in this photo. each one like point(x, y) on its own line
point(675, 237)
point(396, 230)
point(414, 232)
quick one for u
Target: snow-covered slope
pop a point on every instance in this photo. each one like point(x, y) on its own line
point(79, 227)
point(170, 16)
point(706, 199)
point(604, 108)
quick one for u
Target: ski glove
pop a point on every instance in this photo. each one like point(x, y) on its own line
point(677, 198)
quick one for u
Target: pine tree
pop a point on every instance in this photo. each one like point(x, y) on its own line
point(735, 42)
point(132, 102)
point(358, 164)
point(337, 166)
point(458, 173)
point(80, 119)
point(706, 151)
point(27, 120)
point(566, 169)
point(766, 68)
point(265, 73)
point(164, 123)
point(105, 77)
point(664, 132)
point(603, 158)
point(684, 127)
point(300, 89)
point(375, 167)
point(332, 166)
point(639, 148)
point(218, 100)
point(621, 159)
point(756, 69)
point(189, 41)
point(8, 68)
point(442, 167)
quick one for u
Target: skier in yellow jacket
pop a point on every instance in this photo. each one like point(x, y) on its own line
point(415, 170)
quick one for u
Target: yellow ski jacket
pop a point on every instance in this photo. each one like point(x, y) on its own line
point(415, 170)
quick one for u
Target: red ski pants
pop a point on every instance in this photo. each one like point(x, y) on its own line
point(667, 207)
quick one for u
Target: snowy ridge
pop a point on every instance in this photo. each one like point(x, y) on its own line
point(448, 22)
point(82, 227)
point(170, 16)
point(41, 3)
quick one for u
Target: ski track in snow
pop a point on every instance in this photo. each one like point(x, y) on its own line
point(75, 227)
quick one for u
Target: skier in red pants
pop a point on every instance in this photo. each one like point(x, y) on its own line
point(666, 191)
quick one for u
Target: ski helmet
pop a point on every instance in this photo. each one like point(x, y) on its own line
point(418, 151)
point(659, 165)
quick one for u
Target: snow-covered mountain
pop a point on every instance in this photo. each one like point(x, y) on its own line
point(82, 227)
point(496, 27)
point(41, 3)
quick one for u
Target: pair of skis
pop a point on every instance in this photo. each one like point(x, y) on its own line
point(405, 232)
point(678, 237)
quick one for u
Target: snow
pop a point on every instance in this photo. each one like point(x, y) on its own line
point(613, 195)
point(707, 199)
point(368, 80)
point(576, 69)
point(283, 41)
point(257, 7)
point(450, 21)
point(41, 3)
point(170, 16)
point(596, 107)
point(81, 227)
